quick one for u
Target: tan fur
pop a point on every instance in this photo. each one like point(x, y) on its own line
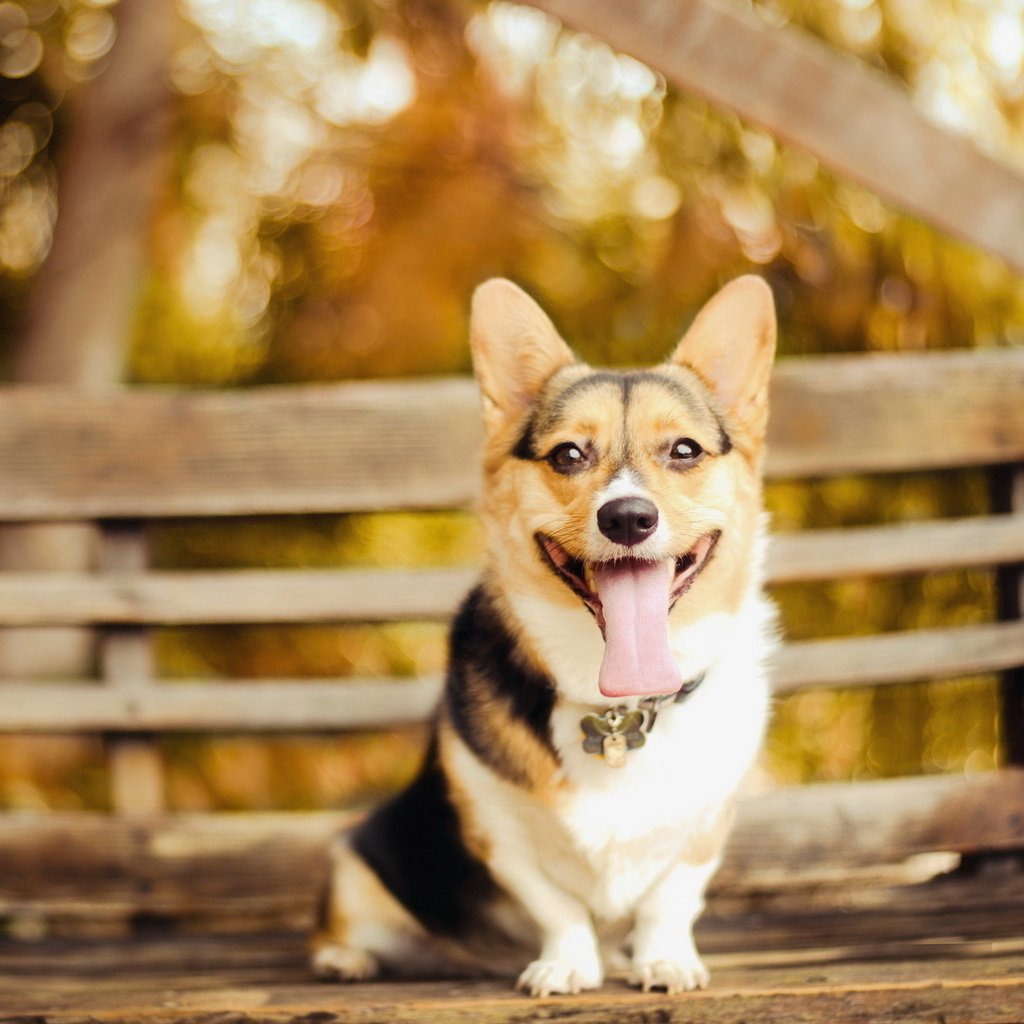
point(518, 495)
point(539, 769)
point(731, 344)
point(518, 360)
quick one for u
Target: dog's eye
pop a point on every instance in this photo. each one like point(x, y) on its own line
point(567, 458)
point(685, 450)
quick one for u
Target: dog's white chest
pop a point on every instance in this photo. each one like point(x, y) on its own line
point(630, 823)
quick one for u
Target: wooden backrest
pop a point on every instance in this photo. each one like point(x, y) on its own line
point(124, 456)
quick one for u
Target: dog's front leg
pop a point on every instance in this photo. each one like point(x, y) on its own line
point(664, 953)
point(569, 960)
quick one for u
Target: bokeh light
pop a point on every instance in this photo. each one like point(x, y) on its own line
point(346, 171)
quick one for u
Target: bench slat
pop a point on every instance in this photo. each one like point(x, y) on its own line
point(305, 705)
point(253, 866)
point(378, 595)
point(239, 596)
point(817, 828)
point(267, 705)
point(896, 657)
point(232, 596)
point(414, 444)
point(893, 550)
point(891, 412)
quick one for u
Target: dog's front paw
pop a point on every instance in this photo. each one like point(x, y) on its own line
point(336, 961)
point(672, 975)
point(559, 977)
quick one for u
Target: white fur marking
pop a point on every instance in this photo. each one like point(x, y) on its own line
point(664, 954)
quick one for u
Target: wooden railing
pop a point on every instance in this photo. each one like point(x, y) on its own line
point(126, 456)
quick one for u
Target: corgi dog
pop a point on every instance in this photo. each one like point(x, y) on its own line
point(606, 691)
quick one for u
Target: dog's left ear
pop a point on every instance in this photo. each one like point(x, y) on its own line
point(516, 349)
point(731, 345)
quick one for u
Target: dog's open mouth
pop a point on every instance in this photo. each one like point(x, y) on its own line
point(581, 576)
point(631, 599)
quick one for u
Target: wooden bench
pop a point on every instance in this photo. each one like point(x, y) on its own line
point(827, 907)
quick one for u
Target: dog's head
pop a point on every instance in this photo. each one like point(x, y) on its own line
point(635, 495)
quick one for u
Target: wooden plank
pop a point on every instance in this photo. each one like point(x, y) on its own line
point(949, 918)
point(299, 705)
point(894, 657)
point(271, 705)
point(909, 954)
point(271, 865)
point(889, 412)
point(786, 81)
point(898, 549)
point(821, 829)
point(213, 866)
point(378, 595)
point(414, 444)
point(957, 990)
point(882, 964)
point(292, 705)
point(234, 596)
point(140, 452)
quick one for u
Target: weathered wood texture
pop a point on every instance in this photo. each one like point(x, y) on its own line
point(851, 117)
point(892, 657)
point(267, 705)
point(948, 952)
point(376, 595)
point(893, 550)
point(145, 453)
point(221, 871)
point(233, 596)
point(275, 705)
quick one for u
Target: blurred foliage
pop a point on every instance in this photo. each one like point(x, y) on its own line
point(251, 774)
point(346, 171)
point(408, 539)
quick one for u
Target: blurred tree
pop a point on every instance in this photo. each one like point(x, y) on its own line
point(113, 165)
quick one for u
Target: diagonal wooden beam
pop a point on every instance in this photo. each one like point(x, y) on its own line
point(855, 120)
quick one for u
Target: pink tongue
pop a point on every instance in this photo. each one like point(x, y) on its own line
point(634, 599)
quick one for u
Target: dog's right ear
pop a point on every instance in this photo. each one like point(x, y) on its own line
point(516, 349)
point(731, 345)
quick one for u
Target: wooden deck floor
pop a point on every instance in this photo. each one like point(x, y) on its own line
point(949, 951)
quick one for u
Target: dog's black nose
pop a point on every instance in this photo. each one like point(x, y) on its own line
point(628, 521)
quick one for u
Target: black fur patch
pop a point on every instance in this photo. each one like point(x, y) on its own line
point(485, 666)
point(525, 448)
point(323, 909)
point(414, 845)
point(599, 378)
